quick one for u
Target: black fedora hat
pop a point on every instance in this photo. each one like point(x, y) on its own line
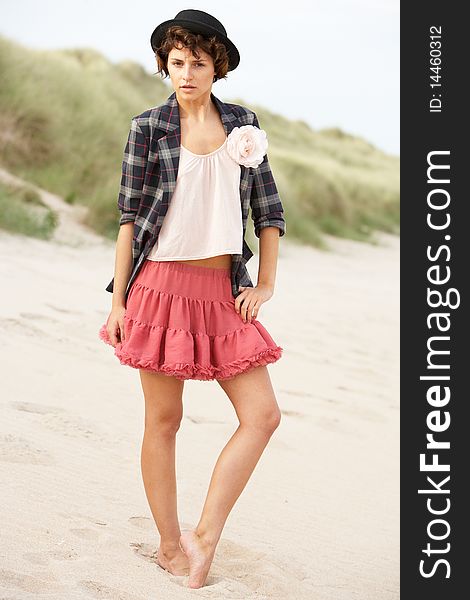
point(198, 21)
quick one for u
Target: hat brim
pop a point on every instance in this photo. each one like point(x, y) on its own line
point(232, 51)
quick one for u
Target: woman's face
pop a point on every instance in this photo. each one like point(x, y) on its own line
point(187, 70)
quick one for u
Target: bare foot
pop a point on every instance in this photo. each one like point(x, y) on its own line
point(173, 561)
point(200, 555)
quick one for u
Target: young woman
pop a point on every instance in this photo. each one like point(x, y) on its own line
point(184, 306)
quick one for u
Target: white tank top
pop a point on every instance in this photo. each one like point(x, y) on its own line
point(204, 217)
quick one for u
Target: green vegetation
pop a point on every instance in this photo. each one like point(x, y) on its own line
point(64, 119)
point(21, 211)
point(332, 182)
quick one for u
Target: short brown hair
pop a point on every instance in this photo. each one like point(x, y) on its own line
point(177, 36)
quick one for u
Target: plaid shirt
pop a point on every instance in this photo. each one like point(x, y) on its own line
point(149, 172)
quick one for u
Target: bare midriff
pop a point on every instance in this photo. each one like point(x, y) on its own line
point(223, 261)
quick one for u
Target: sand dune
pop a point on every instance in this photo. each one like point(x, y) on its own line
point(319, 520)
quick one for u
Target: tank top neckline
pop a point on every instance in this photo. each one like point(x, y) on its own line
point(208, 154)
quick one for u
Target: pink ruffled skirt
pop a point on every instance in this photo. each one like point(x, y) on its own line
point(180, 320)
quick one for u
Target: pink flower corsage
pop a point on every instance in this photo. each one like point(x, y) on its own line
point(247, 145)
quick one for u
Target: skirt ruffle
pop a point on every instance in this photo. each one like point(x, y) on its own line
point(193, 334)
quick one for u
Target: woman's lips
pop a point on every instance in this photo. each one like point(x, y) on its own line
point(185, 87)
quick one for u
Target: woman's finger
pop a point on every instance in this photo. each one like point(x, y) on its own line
point(239, 303)
point(243, 309)
point(112, 337)
point(248, 309)
point(256, 308)
point(251, 306)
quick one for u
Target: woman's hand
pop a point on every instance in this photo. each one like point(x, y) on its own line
point(115, 325)
point(248, 303)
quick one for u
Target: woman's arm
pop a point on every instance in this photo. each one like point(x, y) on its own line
point(122, 272)
point(268, 254)
point(123, 264)
point(249, 301)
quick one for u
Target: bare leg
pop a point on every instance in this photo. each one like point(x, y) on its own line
point(253, 398)
point(163, 413)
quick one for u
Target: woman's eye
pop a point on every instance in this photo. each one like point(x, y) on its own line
point(179, 64)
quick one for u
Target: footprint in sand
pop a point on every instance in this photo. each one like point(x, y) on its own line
point(105, 592)
point(302, 394)
point(18, 450)
point(57, 419)
point(298, 393)
point(142, 522)
point(255, 571)
point(43, 559)
point(85, 534)
point(61, 309)
point(37, 317)
point(70, 425)
point(31, 407)
point(203, 420)
point(98, 529)
point(293, 413)
point(64, 554)
point(11, 325)
point(77, 515)
point(37, 584)
point(146, 551)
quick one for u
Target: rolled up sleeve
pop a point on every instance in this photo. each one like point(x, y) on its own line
point(266, 205)
point(133, 173)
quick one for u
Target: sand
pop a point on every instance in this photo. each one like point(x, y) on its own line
point(318, 520)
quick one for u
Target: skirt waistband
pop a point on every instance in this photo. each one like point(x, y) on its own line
point(183, 279)
point(196, 269)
